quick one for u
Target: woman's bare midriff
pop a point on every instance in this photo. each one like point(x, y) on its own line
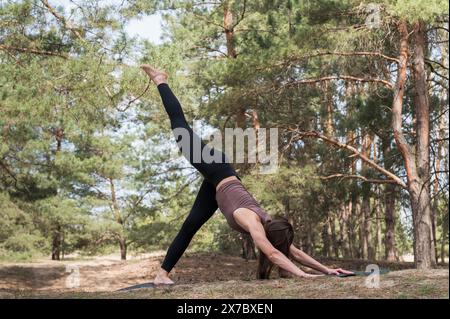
point(223, 181)
point(238, 206)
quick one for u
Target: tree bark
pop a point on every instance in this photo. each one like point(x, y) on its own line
point(309, 244)
point(229, 30)
point(389, 218)
point(417, 172)
point(439, 158)
point(329, 125)
point(328, 232)
point(123, 248)
point(56, 244)
point(378, 206)
point(248, 247)
point(118, 217)
point(334, 241)
point(362, 249)
point(57, 236)
point(231, 52)
point(390, 191)
point(345, 240)
point(326, 238)
point(367, 247)
point(378, 240)
point(349, 208)
point(425, 250)
point(445, 223)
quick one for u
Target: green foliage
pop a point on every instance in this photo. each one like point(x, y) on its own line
point(414, 10)
point(291, 187)
point(84, 143)
point(19, 238)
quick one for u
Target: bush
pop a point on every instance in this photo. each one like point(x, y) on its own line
point(22, 247)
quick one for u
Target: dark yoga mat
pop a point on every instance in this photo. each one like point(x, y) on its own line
point(146, 285)
point(149, 285)
point(362, 273)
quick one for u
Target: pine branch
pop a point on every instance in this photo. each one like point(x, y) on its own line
point(356, 153)
point(32, 51)
point(365, 179)
point(342, 77)
point(428, 61)
point(354, 53)
point(63, 20)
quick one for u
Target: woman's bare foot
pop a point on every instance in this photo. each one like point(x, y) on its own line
point(162, 278)
point(157, 76)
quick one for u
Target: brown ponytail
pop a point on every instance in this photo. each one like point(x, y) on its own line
point(281, 235)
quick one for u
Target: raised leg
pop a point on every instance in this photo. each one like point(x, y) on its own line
point(190, 143)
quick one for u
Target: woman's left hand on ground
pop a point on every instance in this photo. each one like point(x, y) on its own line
point(338, 271)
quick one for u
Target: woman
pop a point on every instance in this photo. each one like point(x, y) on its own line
point(222, 188)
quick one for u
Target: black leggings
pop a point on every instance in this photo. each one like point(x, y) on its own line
point(213, 171)
point(205, 203)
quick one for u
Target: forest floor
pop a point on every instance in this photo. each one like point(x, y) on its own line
point(208, 276)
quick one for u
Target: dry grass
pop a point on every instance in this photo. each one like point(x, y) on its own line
point(212, 276)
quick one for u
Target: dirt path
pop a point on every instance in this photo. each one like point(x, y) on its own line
point(207, 276)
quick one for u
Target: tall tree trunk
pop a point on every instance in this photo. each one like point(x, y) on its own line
point(248, 247)
point(231, 52)
point(362, 251)
point(435, 209)
point(445, 221)
point(256, 127)
point(123, 248)
point(328, 231)
point(444, 244)
point(329, 125)
point(389, 204)
point(365, 227)
point(349, 209)
point(367, 247)
point(334, 241)
point(378, 240)
point(57, 236)
point(56, 244)
point(344, 231)
point(229, 29)
point(378, 206)
point(425, 251)
point(63, 250)
point(118, 217)
point(440, 135)
point(309, 237)
point(326, 237)
point(417, 167)
point(389, 218)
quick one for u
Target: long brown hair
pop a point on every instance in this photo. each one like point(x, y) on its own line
point(281, 235)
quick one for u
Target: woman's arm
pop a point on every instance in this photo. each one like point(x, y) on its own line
point(250, 222)
point(307, 260)
point(310, 262)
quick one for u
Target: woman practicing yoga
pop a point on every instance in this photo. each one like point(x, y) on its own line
point(222, 188)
